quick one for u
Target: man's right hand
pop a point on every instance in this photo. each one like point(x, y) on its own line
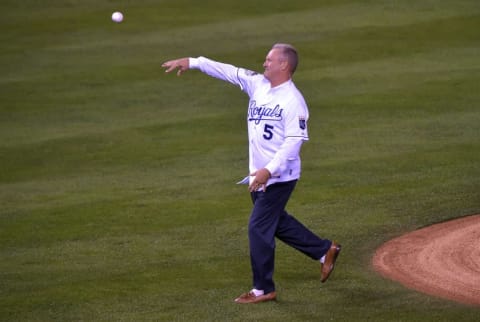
point(182, 64)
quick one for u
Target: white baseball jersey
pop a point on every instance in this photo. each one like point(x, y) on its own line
point(277, 119)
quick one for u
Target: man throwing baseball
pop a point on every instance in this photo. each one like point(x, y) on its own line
point(277, 118)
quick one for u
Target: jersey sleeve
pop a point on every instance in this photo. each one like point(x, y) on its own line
point(296, 123)
point(289, 151)
point(226, 72)
point(295, 134)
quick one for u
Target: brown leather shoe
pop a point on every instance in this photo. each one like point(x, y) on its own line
point(330, 259)
point(250, 297)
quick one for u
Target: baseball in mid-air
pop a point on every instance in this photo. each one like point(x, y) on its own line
point(117, 16)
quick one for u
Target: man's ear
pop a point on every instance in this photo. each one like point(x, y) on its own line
point(284, 65)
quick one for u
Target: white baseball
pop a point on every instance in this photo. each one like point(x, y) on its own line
point(117, 16)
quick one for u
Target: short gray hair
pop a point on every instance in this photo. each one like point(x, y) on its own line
point(290, 54)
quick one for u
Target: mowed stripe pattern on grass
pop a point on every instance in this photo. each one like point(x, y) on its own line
point(117, 182)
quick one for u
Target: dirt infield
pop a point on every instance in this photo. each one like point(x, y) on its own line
point(441, 260)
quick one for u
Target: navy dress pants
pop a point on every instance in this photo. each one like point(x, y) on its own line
point(269, 220)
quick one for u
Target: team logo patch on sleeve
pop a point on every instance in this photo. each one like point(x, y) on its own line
point(250, 72)
point(302, 122)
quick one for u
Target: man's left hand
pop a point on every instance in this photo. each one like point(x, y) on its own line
point(260, 181)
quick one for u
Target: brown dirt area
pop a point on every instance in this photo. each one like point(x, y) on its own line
point(442, 260)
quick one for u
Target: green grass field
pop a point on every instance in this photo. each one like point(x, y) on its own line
point(117, 181)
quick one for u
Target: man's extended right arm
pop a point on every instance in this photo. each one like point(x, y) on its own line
point(222, 71)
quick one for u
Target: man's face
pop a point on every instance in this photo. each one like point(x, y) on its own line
point(274, 64)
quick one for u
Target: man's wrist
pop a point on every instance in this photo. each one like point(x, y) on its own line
point(193, 63)
point(270, 171)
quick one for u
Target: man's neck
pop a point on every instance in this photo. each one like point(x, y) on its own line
point(279, 81)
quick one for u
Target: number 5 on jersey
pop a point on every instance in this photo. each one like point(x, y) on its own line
point(268, 134)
